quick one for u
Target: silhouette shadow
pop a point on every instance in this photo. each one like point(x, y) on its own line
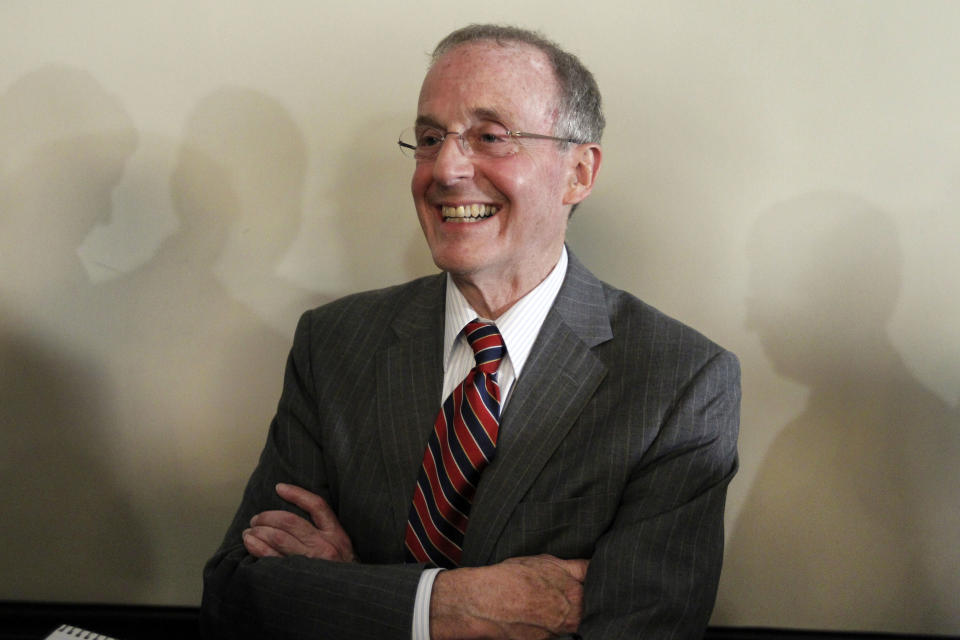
point(261, 154)
point(376, 218)
point(855, 510)
point(70, 530)
point(198, 371)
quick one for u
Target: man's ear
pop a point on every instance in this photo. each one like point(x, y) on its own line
point(584, 166)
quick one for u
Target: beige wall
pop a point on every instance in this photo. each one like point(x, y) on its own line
point(179, 179)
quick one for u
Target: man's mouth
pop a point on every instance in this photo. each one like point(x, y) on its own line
point(467, 212)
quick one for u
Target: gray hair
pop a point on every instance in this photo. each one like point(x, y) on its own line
point(579, 116)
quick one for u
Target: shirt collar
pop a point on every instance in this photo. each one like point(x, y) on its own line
point(519, 325)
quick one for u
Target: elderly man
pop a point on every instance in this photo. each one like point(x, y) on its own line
point(511, 449)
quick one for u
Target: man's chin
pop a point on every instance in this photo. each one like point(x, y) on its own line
point(458, 260)
point(461, 270)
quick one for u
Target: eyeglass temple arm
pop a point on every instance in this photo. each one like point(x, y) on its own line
point(539, 136)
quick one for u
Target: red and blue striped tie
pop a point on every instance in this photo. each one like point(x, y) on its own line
point(463, 443)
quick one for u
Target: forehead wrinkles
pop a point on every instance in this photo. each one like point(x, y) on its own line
point(483, 79)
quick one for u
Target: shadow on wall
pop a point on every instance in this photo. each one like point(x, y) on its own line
point(376, 219)
point(70, 530)
point(197, 371)
point(133, 410)
point(853, 516)
point(259, 152)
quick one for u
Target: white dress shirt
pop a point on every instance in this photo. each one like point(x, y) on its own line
point(519, 326)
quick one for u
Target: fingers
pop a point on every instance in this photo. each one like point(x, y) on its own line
point(257, 547)
point(321, 513)
point(323, 517)
point(284, 521)
point(576, 568)
point(267, 541)
point(282, 533)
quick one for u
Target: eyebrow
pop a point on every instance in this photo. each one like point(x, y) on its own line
point(480, 113)
point(427, 121)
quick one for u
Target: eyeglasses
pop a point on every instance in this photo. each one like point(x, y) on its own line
point(487, 140)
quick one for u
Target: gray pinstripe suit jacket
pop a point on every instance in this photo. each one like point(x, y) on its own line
point(617, 445)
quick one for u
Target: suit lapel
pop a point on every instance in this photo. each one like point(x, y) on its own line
point(409, 383)
point(558, 380)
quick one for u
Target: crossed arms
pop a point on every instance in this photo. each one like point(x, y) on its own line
point(523, 598)
point(649, 519)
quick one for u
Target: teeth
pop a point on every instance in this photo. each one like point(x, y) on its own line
point(468, 213)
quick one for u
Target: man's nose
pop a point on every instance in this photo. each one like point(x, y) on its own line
point(453, 162)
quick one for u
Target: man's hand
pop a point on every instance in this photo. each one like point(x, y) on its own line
point(281, 533)
point(527, 598)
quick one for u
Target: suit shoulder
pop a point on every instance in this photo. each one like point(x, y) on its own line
point(639, 325)
point(361, 322)
point(376, 306)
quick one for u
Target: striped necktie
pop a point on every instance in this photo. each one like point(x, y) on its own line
point(463, 443)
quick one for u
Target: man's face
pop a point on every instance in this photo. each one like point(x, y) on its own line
point(514, 86)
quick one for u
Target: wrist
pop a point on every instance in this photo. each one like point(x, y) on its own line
point(453, 609)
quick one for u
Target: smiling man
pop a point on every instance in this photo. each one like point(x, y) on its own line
point(511, 449)
point(522, 195)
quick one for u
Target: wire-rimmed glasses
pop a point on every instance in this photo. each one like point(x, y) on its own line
point(488, 140)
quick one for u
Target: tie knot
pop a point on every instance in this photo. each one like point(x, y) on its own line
point(487, 345)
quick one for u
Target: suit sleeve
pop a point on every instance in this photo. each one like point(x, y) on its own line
point(654, 573)
point(299, 597)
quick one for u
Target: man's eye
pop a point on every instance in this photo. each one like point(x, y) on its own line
point(429, 139)
point(490, 138)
